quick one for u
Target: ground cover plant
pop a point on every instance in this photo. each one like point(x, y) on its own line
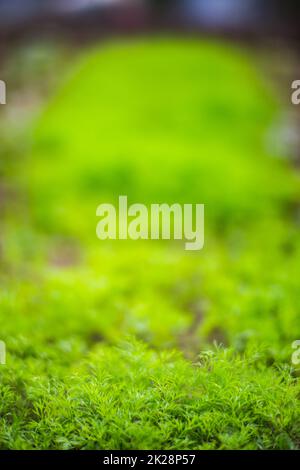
point(140, 344)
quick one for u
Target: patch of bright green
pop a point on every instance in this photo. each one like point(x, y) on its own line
point(161, 121)
point(134, 398)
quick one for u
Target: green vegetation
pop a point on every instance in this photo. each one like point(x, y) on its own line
point(126, 345)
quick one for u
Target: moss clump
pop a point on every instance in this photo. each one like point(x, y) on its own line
point(207, 362)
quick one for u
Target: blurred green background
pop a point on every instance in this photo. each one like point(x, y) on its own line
point(140, 344)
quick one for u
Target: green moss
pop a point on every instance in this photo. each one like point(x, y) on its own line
point(134, 398)
point(207, 363)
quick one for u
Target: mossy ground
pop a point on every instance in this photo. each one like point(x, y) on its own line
point(128, 345)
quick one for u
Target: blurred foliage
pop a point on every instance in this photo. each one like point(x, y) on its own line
point(162, 121)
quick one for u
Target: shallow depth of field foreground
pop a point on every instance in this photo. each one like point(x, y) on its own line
point(141, 344)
